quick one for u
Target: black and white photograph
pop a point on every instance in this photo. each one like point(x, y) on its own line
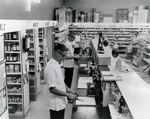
point(74, 59)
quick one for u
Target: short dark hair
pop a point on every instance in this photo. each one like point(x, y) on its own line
point(100, 33)
point(60, 47)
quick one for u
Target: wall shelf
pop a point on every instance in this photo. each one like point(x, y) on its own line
point(15, 58)
point(111, 31)
point(33, 57)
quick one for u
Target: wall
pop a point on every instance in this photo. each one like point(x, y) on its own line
point(105, 6)
point(16, 9)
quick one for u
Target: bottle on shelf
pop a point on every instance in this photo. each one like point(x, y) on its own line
point(122, 103)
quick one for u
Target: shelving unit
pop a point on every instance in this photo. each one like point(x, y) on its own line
point(142, 58)
point(3, 92)
point(34, 86)
point(41, 37)
point(112, 31)
point(60, 32)
point(16, 75)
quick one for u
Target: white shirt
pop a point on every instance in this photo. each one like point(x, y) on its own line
point(54, 78)
point(69, 63)
point(136, 41)
point(77, 41)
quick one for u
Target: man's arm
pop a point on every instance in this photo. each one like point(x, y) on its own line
point(56, 91)
point(70, 91)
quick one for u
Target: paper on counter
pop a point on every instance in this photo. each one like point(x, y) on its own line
point(89, 78)
point(112, 78)
point(106, 73)
point(82, 85)
point(86, 101)
point(85, 80)
point(83, 65)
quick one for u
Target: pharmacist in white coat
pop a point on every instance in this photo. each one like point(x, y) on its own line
point(69, 60)
point(77, 43)
point(135, 42)
point(57, 92)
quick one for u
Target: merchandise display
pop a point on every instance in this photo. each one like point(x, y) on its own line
point(41, 37)
point(16, 75)
point(120, 33)
point(104, 83)
point(33, 57)
point(141, 15)
point(60, 32)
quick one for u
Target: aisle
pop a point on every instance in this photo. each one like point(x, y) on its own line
point(37, 108)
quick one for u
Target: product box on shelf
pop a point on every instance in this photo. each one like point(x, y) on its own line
point(140, 8)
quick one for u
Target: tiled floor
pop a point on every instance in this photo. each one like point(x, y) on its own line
point(38, 109)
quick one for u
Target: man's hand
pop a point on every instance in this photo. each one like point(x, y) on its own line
point(72, 96)
point(74, 92)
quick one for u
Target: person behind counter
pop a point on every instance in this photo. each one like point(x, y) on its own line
point(100, 42)
point(77, 43)
point(69, 60)
point(57, 92)
point(135, 42)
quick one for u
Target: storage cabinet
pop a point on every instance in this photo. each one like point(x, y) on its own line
point(16, 75)
point(34, 86)
point(41, 37)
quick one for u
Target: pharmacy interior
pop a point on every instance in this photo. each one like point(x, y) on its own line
point(112, 76)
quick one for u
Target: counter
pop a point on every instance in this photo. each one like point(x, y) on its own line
point(133, 88)
point(68, 110)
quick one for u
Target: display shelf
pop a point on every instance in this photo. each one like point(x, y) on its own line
point(13, 62)
point(60, 32)
point(17, 114)
point(42, 40)
point(14, 93)
point(33, 57)
point(142, 58)
point(111, 31)
point(10, 28)
point(14, 84)
point(15, 69)
point(15, 73)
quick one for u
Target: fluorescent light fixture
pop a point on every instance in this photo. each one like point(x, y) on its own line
point(28, 5)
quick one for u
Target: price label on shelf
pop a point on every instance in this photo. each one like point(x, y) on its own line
point(47, 24)
point(35, 24)
point(2, 26)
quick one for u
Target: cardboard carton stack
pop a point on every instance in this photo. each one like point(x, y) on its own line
point(138, 16)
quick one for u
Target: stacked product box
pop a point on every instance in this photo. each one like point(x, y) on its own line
point(135, 16)
point(148, 17)
point(96, 17)
point(130, 17)
point(62, 13)
point(122, 15)
point(142, 14)
point(100, 18)
point(107, 18)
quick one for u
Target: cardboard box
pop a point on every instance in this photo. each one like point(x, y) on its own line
point(140, 7)
point(104, 60)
